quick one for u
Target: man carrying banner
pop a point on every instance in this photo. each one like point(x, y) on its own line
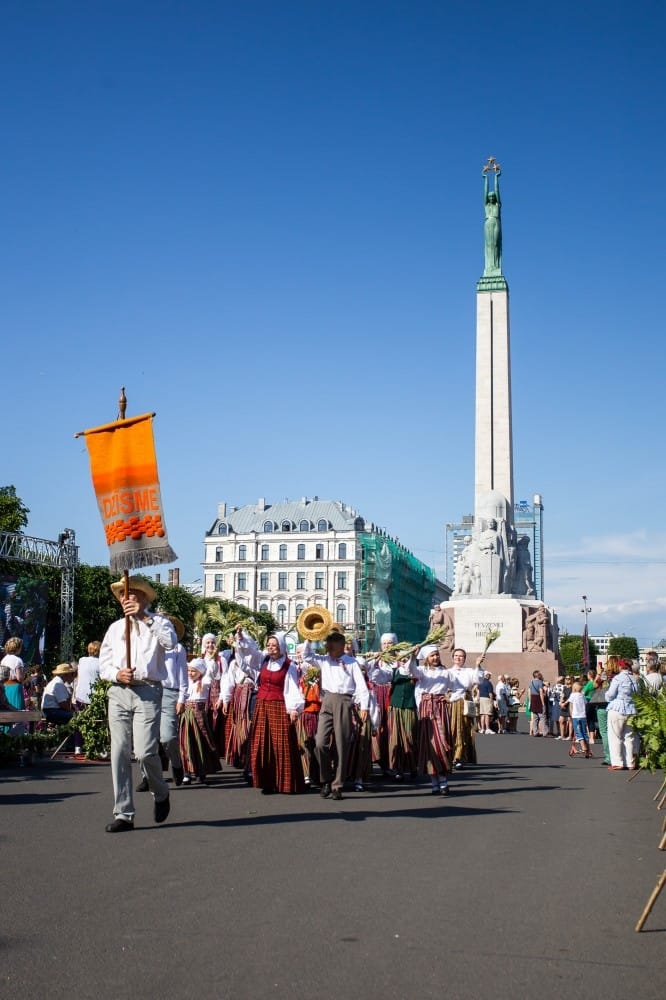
point(135, 698)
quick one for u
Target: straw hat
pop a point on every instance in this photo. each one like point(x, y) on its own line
point(62, 669)
point(135, 583)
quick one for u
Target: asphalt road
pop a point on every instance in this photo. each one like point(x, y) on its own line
point(527, 881)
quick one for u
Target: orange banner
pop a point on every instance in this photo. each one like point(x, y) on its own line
point(124, 474)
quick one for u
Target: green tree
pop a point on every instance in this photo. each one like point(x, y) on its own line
point(95, 607)
point(13, 512)
point(571, 651)
point(624, 646)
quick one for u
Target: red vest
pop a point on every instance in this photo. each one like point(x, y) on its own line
point(271, 682)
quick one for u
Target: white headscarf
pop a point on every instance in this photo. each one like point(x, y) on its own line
point(425, 651)
point(389, 637)
point(282, 643)
point(208, 635)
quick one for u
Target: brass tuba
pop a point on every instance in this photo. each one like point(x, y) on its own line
point(315, 623)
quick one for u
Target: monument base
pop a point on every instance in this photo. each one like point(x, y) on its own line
point(514, 652)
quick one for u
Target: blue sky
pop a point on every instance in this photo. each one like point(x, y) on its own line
point(265, 220)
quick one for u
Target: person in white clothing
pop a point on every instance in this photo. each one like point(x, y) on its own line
point(341, 679)
point(135, 698)
point(502, 697)
point(86, 675)
point(462, 726)
point(653, 679)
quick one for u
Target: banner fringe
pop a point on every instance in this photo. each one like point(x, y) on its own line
point(140, 558)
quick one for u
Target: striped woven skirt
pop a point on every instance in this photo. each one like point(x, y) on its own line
point(359, 765)
point(306, 730)
point(274, 758)
point(237, 727)
point(216, 717)
point(462, 733)
point(197, 746)
point(402, 745)
point(434, 735)
point(380, 741)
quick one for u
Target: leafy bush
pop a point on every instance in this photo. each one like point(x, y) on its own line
point(650, 722)
point(93, 723)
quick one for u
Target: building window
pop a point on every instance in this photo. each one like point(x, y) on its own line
point(222, 529)
point(342, 581)
point(241, 583)
point(342, 550)
point(341, 614)
point(322, 524)
point(304, 526)
point(219, 582)
point(300, 552)
point(286, 525)
point(300, 581)
point(319, 551)
point(319, 581)
point(299, 609)
point(282, 614)
point(264, 553)
point(268, 526)
point(282, 581)
point(263, 607)
point(283, 553)
point(263, 581)
point(242, 553)
point(219, 554)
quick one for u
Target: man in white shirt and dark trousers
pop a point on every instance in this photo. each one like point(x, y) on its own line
point(341, 680)
point(135, 699)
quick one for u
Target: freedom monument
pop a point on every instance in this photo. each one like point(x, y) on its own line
point(493, 587)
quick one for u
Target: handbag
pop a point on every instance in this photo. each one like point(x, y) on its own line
point(469, 708)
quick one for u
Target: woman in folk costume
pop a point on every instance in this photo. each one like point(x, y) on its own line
point(237, 701)
point(401, 719)
point(432, 687)
point(274, 757)
point(382, 692)
point(463, 680)
point(216, 667)
point(309, 681)
point(197, 746)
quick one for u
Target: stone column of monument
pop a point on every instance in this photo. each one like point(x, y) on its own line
point(493, 588)
point(493, 448)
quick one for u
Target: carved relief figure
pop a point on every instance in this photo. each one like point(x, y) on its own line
point(491, 562)
point(524, 580)
point(536, 632)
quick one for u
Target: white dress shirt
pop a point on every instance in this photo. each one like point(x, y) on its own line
point(148, 644)
point(463, 679)
point(341, 676)
point(175, 661)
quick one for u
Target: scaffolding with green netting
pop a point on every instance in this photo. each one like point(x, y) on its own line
point(395, 591)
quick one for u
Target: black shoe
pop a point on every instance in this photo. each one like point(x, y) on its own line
point(336, 794)
point(268, 791)
point(143, 785)
point(325, 790)
point(178, 775)
point(458, 765)
point(444, 790)
point(434, 791)
point(162, 810)
point(119, 826)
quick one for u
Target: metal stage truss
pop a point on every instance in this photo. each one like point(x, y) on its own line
point(62, 555)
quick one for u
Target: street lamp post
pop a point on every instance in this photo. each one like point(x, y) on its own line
point(585, 610)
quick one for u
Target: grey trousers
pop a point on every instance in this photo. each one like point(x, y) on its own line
point(134, 718)
point(335, 717)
